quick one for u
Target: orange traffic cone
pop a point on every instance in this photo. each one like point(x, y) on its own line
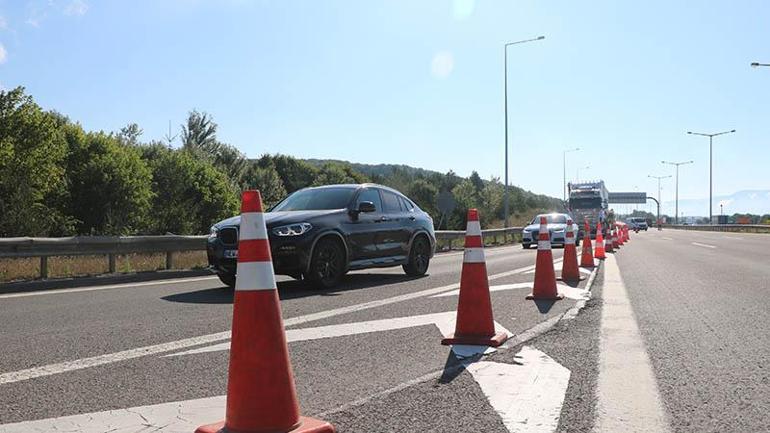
point(608, 247)
point(475, 324)
point(599, 253)
point(621, 236)
point(628, 234)
point(545, 277)
point(615, 243)
point(587, 258)
point(260, 386)
point(569, 266)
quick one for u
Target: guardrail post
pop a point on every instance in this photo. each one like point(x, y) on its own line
point(44, 267)
point(111, 258)
point(169, 260)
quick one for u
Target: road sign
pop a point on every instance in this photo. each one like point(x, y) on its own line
point(628, 197)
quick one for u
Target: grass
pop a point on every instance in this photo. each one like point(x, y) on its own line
point(77, 266)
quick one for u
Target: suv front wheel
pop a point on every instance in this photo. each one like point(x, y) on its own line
point(419, 258)
point(327, 265)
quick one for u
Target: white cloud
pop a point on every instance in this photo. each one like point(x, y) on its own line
point(442, 65)
point(462, 9)
point(76, 7)
point(3, 54)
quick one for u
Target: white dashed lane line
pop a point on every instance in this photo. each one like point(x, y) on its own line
point(697, 244)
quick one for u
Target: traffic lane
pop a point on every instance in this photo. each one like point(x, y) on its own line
point(396, 356)
point(705, 320)
point(750, 249)
point(78, 325)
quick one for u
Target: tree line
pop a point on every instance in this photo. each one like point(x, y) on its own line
point(57, 179)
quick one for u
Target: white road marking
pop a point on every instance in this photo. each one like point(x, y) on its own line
point(529, 395)
point(666, 239)
point(178, 416)
point(702, 245)
point(62, 367)
point(444, 321)
point(623, 358)
point(109, 287)
point(567, 291)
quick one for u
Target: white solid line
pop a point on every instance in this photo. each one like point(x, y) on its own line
point(62, 367)
point(567, 291)
point(527, 395)
point(702, 245)
point(110, 287)
point(624, 407)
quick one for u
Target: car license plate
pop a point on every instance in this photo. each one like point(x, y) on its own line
point(231, 254)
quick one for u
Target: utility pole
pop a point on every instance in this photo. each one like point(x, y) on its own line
point(677, 164)
point(564, 169)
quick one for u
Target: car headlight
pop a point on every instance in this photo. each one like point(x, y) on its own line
point(213, 232)
point(558, 230)
point(292, 229)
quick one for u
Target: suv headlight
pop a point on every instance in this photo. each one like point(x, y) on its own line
point(292, 229)
point(213, 232)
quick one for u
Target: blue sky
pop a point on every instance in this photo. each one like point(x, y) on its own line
point(420, 83)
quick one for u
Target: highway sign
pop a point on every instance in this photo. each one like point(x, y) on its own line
point(628, 197)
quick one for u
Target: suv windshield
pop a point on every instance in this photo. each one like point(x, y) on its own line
point(316, 199)
point(551, 219)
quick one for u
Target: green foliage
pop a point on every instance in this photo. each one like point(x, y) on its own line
point(191, 193)
point(32, 150)
point(57, 179)
point(267, 181)
point(110, 187)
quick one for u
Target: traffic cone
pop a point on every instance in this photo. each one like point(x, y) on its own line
point(260, 386)
point(474, 324)
point(587, 258)
point(569, 266)
point(615, 244)
point(608, 247)
point(600, 252)
point(620, 235)
point(628, 234)
point(545, 277)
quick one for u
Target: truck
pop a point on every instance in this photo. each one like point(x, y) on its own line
point(588, 200)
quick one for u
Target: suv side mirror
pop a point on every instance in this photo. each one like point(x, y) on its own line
point(366, 207)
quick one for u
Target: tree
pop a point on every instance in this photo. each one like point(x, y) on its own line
point(130, 134)
point(110, 187)
point(295, 173)
point(199, 135)
point(425, 195)
point(335, 173)
point(32, 150)
point(191, 194)
point(267, 181)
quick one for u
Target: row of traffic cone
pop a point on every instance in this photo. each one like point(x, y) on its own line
point(261, 395)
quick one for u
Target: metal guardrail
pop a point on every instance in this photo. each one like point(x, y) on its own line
point(737, 228)
point(112, 246)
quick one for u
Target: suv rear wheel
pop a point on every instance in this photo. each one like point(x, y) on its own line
point(419, 258)
point(327, 265)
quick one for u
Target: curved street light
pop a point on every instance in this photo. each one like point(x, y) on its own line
point(677, 164)
point(711, 165)
point(505, 56)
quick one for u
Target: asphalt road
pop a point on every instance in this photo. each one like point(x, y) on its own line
point(675, 332)
point(41, 329)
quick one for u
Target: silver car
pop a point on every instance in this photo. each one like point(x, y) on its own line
point(557, 224)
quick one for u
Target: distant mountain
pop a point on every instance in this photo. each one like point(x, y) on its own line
point(376, 169)
point(752, 201)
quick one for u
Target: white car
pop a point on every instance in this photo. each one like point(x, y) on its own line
point(557, 224)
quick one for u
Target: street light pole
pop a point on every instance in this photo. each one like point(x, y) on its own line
point(711, 167)
point(564, 169)
point(659, 179)
point(756, 64)
point(677, 164)
point(505, 79)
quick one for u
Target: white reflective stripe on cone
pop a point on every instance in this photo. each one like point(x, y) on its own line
point(473, 255)
point(543, 245)
point(474, 228)
point(253, 226)
point(569, 240)
point(255, 276)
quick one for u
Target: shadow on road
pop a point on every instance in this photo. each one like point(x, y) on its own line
point(544, 306)
point(292, 289)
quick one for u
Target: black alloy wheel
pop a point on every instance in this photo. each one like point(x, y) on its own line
point(419, 258)
point(327, 265)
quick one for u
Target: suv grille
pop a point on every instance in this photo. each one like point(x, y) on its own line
point(228, 235)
